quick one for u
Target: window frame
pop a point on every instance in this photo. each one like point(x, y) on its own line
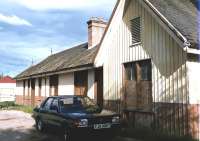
point(138, 70)
point(44, 104)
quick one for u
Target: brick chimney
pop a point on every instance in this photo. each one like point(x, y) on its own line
point(96, 27)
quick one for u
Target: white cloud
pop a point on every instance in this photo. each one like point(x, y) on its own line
point(43, 5)
point(14, 20)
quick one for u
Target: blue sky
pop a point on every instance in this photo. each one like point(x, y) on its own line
point(30, 28)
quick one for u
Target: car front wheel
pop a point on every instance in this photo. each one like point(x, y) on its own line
point(39, 125)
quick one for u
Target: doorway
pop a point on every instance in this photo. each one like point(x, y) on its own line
point(32, 92)
point(99, 86)
point(138, 85)
point(54, 85)
point(81, 82)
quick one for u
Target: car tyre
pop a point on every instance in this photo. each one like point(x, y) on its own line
point(40, 125)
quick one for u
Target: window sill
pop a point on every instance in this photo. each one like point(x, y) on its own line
point(135, 44)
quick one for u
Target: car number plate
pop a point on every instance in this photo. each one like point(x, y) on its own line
point(102, 126)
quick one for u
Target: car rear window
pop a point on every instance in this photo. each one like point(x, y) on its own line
point(76, 103)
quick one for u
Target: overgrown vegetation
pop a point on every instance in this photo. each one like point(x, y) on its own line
point(146, 134)
point(12, 106)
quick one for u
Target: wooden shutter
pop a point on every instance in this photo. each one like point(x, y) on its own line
point(136, 30)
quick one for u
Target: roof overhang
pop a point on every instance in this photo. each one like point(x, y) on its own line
point(69, 70)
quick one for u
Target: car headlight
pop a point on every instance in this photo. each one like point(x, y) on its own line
point(116, 119)
point(82, 123)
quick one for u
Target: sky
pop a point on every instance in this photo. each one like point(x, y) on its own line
point(30, 29)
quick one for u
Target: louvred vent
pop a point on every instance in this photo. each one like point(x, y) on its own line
point(136, 30)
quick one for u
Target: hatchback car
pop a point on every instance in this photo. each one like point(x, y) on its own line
point(74, 115)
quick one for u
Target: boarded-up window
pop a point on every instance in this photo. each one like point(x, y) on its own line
point(138, 85)
point(136, 30)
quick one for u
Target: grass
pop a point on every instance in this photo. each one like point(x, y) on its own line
point(146, 134)
point(12, 106)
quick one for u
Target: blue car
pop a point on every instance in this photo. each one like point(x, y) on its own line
point(75, 115)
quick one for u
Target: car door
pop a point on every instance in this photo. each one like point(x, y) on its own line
point(44, 110)
point(54, 114)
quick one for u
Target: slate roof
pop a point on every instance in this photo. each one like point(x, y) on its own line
point(78, 56)
point(182, 14)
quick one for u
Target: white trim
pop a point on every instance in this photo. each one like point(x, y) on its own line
point(192, 51)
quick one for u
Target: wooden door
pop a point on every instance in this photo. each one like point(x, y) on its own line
point(81, 82)
point(99, 86)
point(138, 85)
point(54, 85)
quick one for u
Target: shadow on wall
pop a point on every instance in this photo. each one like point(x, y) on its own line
point(172, 114)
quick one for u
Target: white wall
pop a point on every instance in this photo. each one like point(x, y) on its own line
point(194, 82)
point(45, 88)
point(66, 84)
point(36, 87)
point(91, 77)
point(26, 87)
point(19, 88)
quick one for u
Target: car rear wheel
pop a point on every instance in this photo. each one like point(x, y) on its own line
point(39, 125)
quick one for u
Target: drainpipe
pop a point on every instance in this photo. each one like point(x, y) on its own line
point(186, 47)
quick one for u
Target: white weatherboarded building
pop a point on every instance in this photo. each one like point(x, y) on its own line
point(7, 89)
point(150, 59)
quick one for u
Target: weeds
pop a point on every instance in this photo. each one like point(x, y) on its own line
point(12, 106)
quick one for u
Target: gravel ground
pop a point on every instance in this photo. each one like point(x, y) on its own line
point(19, 126)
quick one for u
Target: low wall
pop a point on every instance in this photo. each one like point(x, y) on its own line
point(7, 97)
point(21, 100)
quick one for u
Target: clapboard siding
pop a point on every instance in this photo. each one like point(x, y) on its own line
point(168, 58)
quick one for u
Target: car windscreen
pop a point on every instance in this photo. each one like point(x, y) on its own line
point(78, 104)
